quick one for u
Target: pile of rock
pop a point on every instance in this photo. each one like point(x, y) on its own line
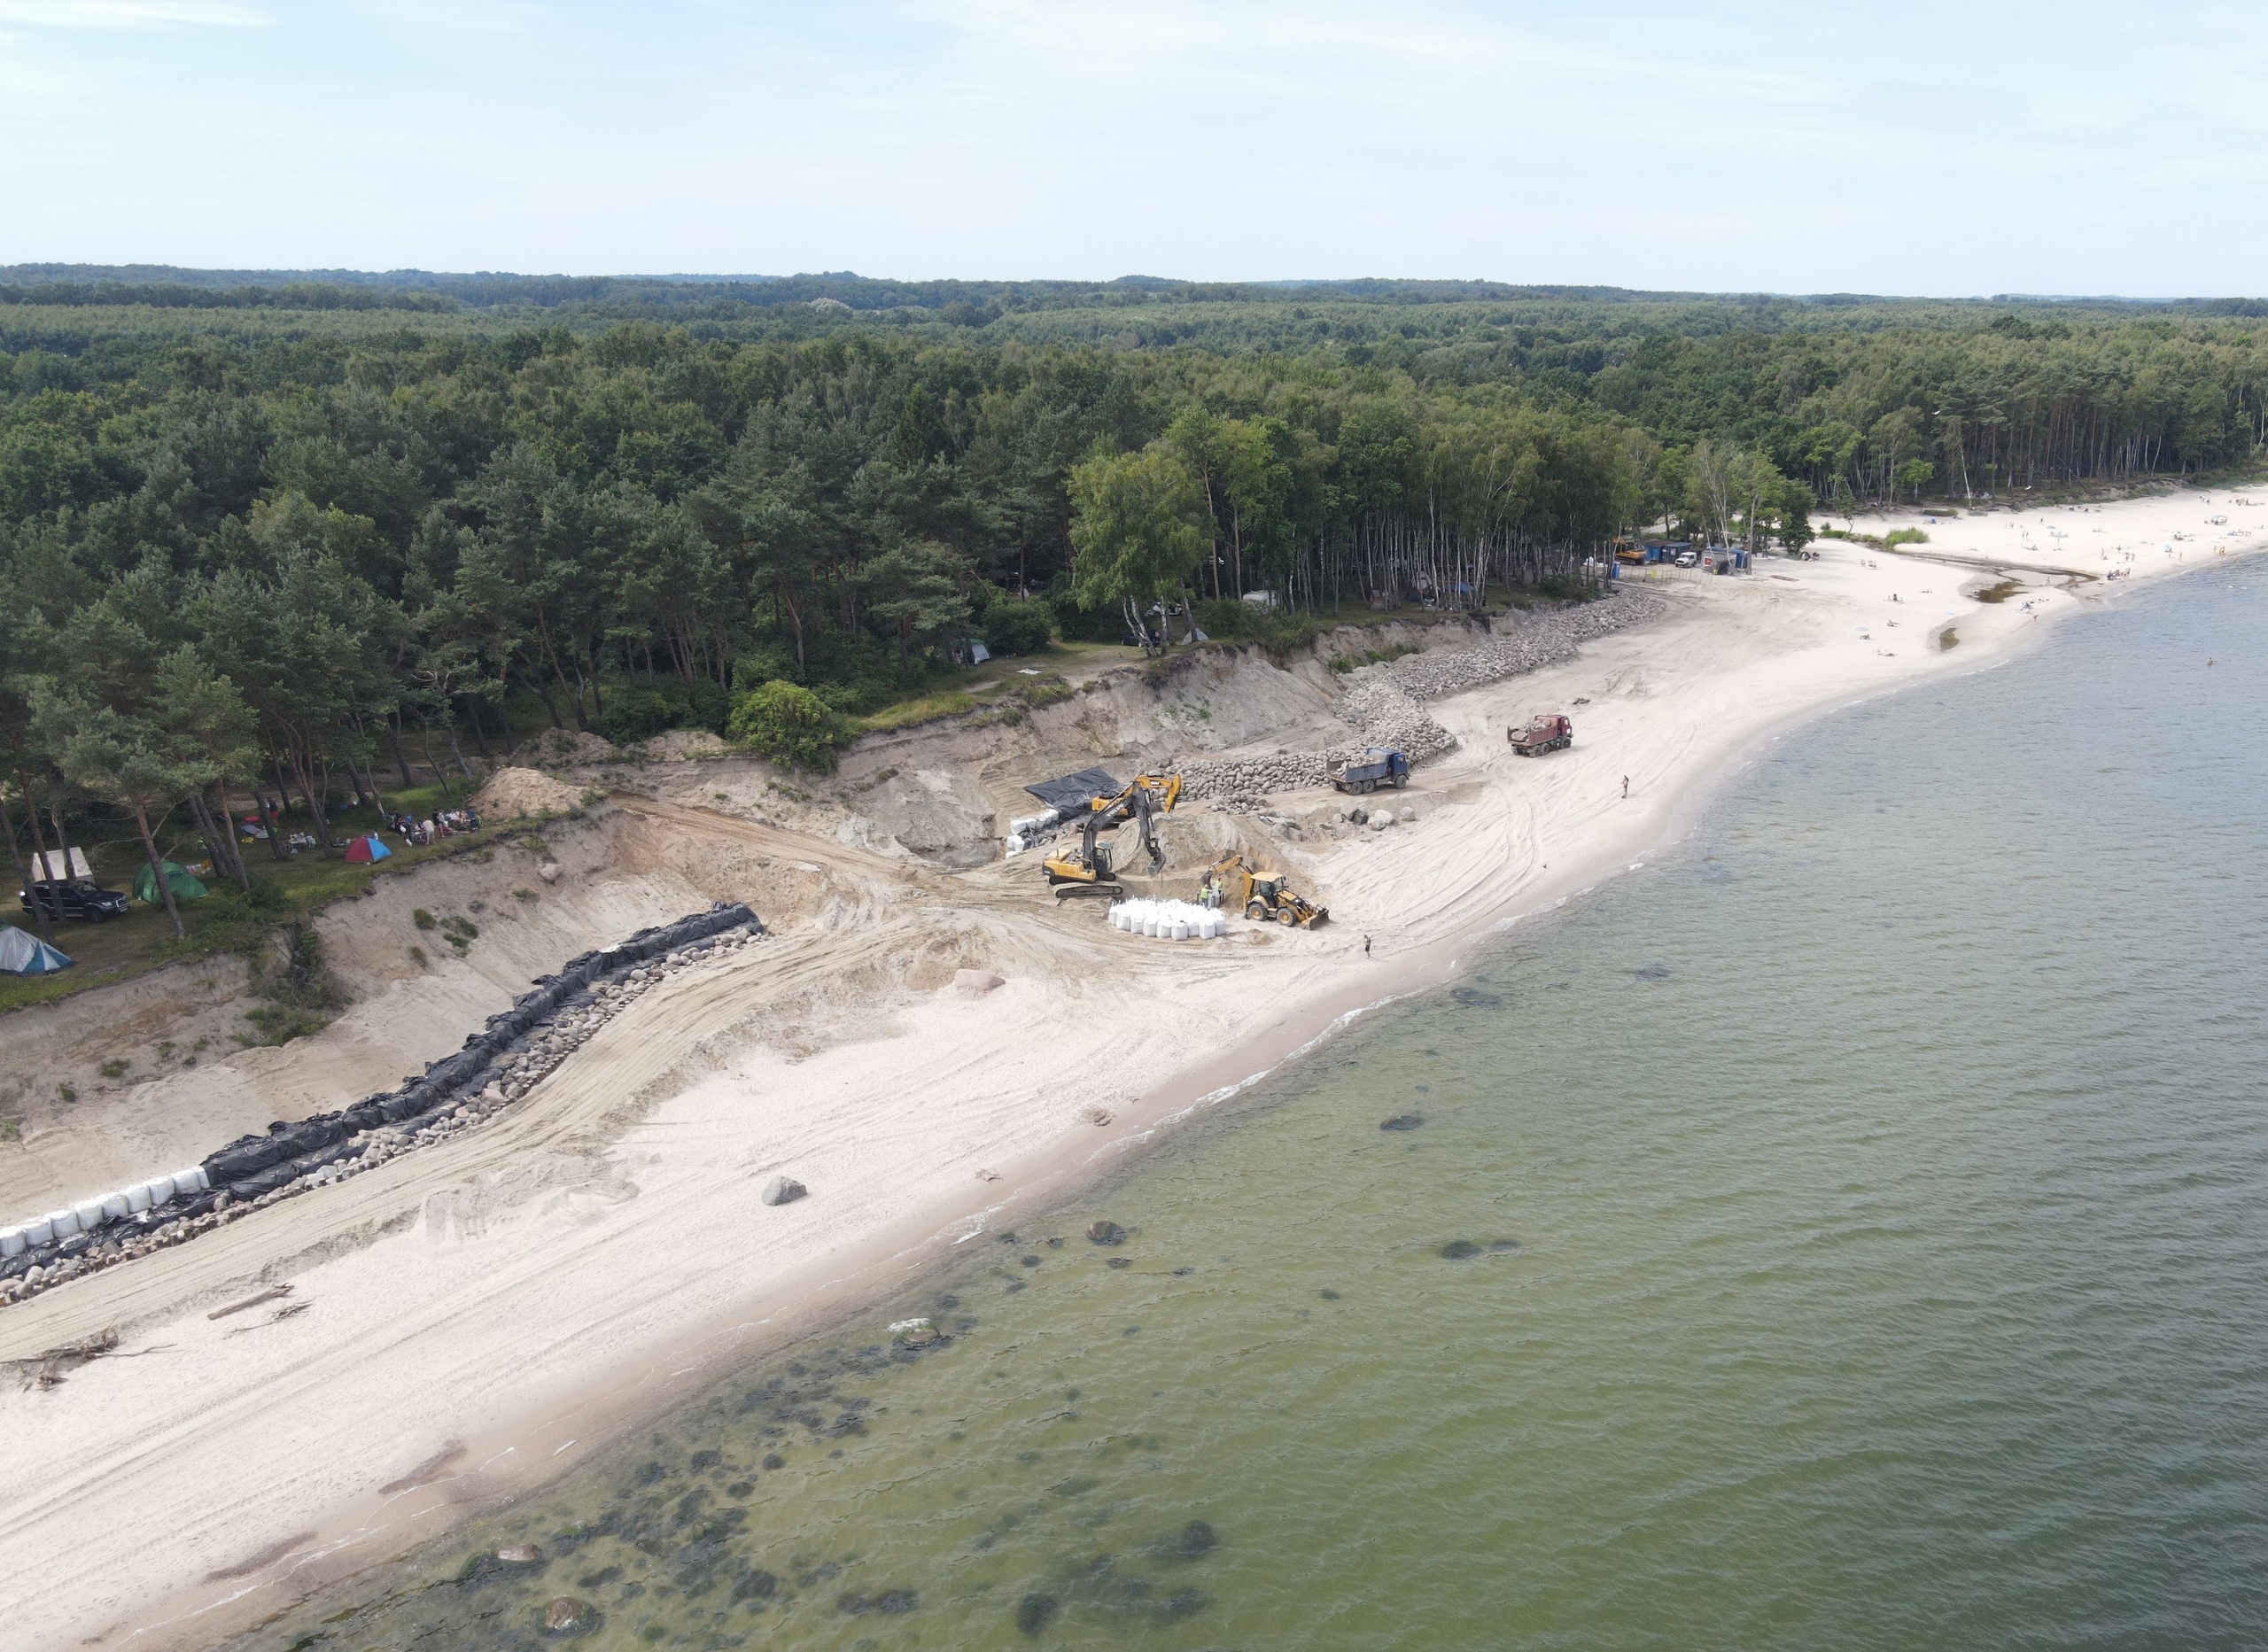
point(1385, 712)
point(529, 1059)
point(1254, 778)
point(1382, 704)
point(1515, 645)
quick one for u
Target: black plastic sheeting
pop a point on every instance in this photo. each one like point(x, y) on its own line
point(1074, 792)
point(253, 1165)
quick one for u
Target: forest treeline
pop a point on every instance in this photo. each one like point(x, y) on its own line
point(250, 544)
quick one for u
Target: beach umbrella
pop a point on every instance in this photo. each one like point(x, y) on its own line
point(185, 887)
point(27, 955)
point(363, 850)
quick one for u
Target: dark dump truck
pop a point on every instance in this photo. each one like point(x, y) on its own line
point(1382, 765)
point(1542, 734)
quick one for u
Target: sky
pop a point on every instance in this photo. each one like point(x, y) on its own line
point(1919, 147)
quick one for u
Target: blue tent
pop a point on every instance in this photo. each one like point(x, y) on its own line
point(27, 955)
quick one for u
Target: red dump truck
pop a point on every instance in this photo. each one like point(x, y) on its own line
point(1542, 734)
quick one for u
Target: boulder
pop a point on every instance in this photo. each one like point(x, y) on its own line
point(519, 1554)
point(1106, 1233)
point(1409, 815)
point(783, 1190)
point(565, 1613)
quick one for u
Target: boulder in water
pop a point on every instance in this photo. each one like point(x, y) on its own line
point(1034, 1612)
point(1402, 1122)
point(519, 1554)
point(565, 1615)
point(1457, 1250)
point(1106, 1233)
point(1194, 1539)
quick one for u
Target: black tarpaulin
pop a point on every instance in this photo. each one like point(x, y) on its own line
point(1073, 791)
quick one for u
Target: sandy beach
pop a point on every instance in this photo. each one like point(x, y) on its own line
point(934, 1052)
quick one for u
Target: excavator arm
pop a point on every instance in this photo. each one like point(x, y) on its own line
point(1142, 799)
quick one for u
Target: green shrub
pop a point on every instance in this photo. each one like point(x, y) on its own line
point(1280, 631)
point(1904, 536)
point(1011, 627)
point(638, 710)
point(789, 725)
point(1567, 588)
point(1074, 623)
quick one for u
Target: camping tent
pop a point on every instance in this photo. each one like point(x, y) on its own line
point(27, 955)
point(363, 850)
point(58, 866)
point(185, 887)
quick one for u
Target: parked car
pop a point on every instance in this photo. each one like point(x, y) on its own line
point(79, 899)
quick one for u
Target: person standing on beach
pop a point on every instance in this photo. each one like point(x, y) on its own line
point(1626, 788)
point(1366, 946)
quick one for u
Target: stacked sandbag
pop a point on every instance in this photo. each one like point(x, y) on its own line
point(1168, 921)
point(452, 1092)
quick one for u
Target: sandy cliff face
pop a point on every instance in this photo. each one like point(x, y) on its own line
point(930, 801)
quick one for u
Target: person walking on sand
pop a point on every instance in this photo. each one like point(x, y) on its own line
point(1626, 788)
point(1366, 946)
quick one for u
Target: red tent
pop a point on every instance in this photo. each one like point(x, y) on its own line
point(363, 850)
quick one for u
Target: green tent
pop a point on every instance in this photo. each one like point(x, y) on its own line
point(184, 887)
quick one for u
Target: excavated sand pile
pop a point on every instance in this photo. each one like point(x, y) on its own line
point(566, 747)
point(680, 745)
point(511, 794)
point(1383, 705)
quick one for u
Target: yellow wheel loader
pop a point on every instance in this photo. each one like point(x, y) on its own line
point(1262, 895)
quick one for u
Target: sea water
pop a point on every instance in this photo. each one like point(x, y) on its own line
point(1851, 1230)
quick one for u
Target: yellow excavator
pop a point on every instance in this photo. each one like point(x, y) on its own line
point(1263, 894)
point(1086, 871)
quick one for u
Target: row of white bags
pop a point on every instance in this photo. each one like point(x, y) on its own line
point(1168, 920)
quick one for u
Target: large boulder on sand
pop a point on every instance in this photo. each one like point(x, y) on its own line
point(783, 1190)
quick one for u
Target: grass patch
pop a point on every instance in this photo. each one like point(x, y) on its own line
point(921, 708)
point(2000, 591)
point(1020, 699)
point(1354, 662)
point(1897, 537)
point(301, 995)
